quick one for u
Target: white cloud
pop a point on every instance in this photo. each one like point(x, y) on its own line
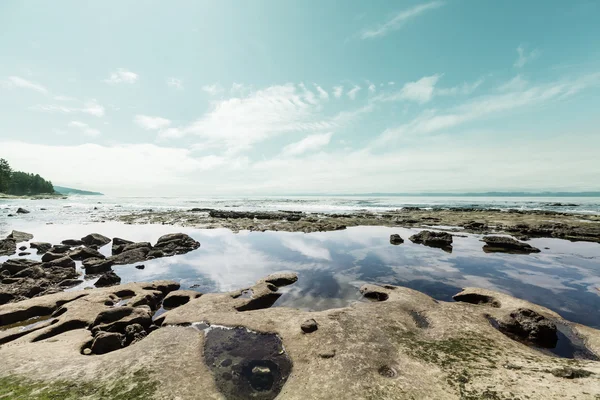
point(175, 83)
point(151, 123)
point(338, 91)
point(19, 82)
point(525, 57)
point(213, 89)
point(432, 121)
point(84, 128)
point(311, 142)
point(122, 75)
point(420, 91)
point(372, 88)
point(399, 20)
point(239, 122)
point(464, 89)
point(516, 83)
point(353, 92)
point(91, 107)
point(64, 98)
point(322, 93)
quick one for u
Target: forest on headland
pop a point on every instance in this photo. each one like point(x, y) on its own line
point(20, 183)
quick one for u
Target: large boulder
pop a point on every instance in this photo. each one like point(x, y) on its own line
point(22, 211)
point(41, 247)
point(108, 279)
point(49, 256)
point(176, 243)
point(83, 253)
point(105, 342)
point(441, 240)
point(530, 326)
point(395, 239)
point(20, 236)
point(95, 239)
point(16, 265)
point(494, 244)
point(131, 256)
point(63, 262)
point(119, 244)
point(8, 247)
point(94, 266)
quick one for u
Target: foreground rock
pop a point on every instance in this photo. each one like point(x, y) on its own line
point(20, 236)
point(87, 346)
point(8, 247)
point(495, 244)
point(442, 240)
point(530, 326)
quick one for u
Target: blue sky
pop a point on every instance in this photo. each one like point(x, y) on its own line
point(281, 97)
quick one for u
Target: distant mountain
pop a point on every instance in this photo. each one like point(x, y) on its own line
point(65, 190)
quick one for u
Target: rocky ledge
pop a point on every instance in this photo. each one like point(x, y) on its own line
point(521, 224)
point(396, 344)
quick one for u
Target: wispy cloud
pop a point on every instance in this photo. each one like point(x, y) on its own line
point(483, 106)
point(151, 123)
point(464, 89)
point(372, 88)
point(84, 128)
point(17, 81)
point(90, 107)
point(399, 20)
point(311, 142)
point(175, 83)
point(353, 92)
point(338, 91)
point(64, 98)
point(213, 89)
point(322, 93)
point(420, 91)
point(525, 57)
point(122, 75)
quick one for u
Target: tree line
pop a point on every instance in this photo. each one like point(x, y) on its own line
point(21, 183)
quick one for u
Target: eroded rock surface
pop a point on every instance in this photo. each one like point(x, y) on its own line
point(494, 244)
point(442, 240)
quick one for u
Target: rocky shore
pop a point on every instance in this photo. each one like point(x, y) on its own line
point(521, 224)
point(119, 343)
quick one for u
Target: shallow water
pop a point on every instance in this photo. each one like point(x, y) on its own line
point(333, 265)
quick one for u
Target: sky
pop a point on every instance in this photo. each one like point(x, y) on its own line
point(271, 97)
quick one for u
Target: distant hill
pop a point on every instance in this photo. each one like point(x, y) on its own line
point(65, 190)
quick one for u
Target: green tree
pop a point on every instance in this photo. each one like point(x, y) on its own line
point(5, 173)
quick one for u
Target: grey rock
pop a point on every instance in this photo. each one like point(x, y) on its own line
point(83, 253)
point(441, 240)
point(105, 342)
point(395, 239)
point(130, 256)
point(22, 211)
point(49, 256)
point(176, 243)
point(309, 326)
point(95, 239)
point(64, 262)
point(41, 247)
point(8, 247)
point(16, 265)
point(94, 266)
point(282, 279)
point(530, 326)
point(59, 249)
point(20, 236)
point(109, 278)
point(72, 242)
point(503, 244)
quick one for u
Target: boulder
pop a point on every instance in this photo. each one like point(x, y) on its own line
point(141, 266)
point(395, 239)
point(119, 244)
point(41, 247)
point(108, 279)
point(179, 298)
point(134, 333)
point(23, 248)
point(176, 243)
point(24, 253)
point(83, 253)
point(63, 262)
point(530, 326)
point(22, 211)
point(94, 266)
point(16, 265)
point(309, 326)
point(8, 247)
point(49, 256)
point(441, 240)
point(282, 279)
point(20, 236)
point(34, 272)
point(130, 256)
point(105, 342)
point(503, 244)
point(95, 239)
point(72, 242)
point(59, 249)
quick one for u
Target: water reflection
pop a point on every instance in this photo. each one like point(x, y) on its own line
point(332, 265)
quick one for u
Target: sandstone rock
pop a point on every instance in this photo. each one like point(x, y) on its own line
point(441, 240)
point(94, 266)
point(65, 262)
point(134, 333)
point(530, 326)
point(119, 244)
point(83, 253)
point(374, 292)
point(105, 342)
point(163, 286)
point(49, 256)
point(309, 326)
point(395, 239)
point(130, 256)
point(176, 243)
point(282, 279)
point(72, 242)
point(70, 282)
point(109, 278)
point(20, 236)
point(179, 298)
point(118, 318)
point(15, 265)
point(475, 226)
point(476, 298)
point(507, 245)
point(34, 272)
point(41, 247)
point(59, 249)
point(8, 247)
point(95, 239)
